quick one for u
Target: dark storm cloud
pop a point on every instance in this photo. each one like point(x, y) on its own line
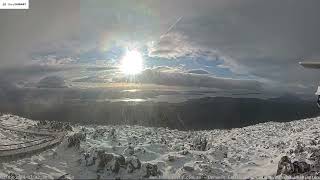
point(25, 31)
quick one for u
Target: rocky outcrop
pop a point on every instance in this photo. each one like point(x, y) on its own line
point(12, 176)
point(68, 127)
point(301, 167)
point(150, 170)
point(129, 151)
point(112, 134)
point(110, 161)
point(113, 162)
point(98, 133)
point(56, 125)
point(133, 163)
point(285, 166)
point(75, 139)
point(188, 167)
point(200, 143)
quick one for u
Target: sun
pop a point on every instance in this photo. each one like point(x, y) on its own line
point(132, 63)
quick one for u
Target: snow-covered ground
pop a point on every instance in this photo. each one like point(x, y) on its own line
point(147, 152)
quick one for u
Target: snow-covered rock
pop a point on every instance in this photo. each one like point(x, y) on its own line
point(133, 163)
point(75, 139)
point(267, 150)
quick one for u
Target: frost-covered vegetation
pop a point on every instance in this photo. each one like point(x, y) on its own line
point(268, 150)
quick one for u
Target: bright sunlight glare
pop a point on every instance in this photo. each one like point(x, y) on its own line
point(132, 63)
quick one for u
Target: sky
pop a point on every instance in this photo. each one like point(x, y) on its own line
point(250, 45)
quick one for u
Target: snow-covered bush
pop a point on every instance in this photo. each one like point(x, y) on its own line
point(75, 139)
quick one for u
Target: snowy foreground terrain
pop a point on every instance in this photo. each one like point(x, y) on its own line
point(142, 152)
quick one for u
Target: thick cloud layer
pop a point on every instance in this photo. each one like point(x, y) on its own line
point(262, 40)
point(48, 26)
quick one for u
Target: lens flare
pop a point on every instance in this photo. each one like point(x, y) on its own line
point(132, 63)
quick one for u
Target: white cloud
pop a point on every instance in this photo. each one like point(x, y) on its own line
point(171, 46)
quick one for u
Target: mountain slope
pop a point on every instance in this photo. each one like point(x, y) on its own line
point(136, 151)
